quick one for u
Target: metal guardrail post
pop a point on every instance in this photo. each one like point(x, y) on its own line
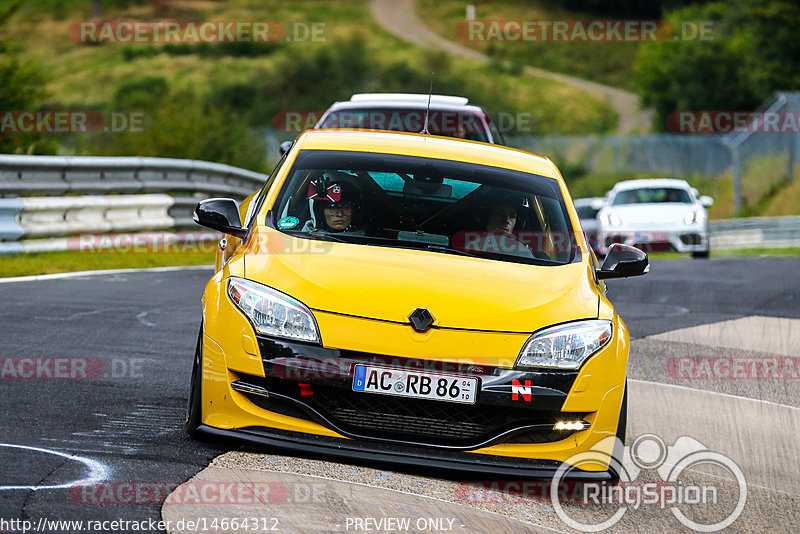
point(10, 229)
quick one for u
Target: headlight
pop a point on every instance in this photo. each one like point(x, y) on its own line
point(272, 312)
point(694, 217)
point(566, 346)
point(610, 219)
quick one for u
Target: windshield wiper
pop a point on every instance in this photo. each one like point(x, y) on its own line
point(450, 250)
point(317, 235)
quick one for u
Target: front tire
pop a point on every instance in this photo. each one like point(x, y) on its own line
point(194, 408)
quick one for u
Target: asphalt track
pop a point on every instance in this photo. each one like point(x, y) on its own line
point(116, 416)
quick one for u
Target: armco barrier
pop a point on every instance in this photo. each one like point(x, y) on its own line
point(59, 175)
point(106, 195)
point(755, 232)
point(61, 216)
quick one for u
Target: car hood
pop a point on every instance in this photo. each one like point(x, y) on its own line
point(651, 213)
point(390, 283)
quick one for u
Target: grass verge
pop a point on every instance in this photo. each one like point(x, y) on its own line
point(69, 261)
point(744, 252)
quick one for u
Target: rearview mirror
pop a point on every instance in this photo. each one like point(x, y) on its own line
point(706, 201)
point(623, 261)
point(220, 214)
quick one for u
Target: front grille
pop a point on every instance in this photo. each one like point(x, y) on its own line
point(420, 421)
point(424, 421)
point(416, 417)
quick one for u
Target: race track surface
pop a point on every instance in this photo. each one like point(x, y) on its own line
point(95, 373)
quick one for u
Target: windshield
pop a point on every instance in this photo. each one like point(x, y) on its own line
point(458, 124)
point(586, 212)
point(428, 204)
point(652, 194)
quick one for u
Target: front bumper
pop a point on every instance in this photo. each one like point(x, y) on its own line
point(315, 384)
point(517, 437)
point(402, 455)
point(689, 239)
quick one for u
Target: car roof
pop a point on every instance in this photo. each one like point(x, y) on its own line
point(410, 98)
point(430, 146)
point(404, 101)
point(651, 182)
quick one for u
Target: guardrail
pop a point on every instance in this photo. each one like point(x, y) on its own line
point(61, 175)
point(755, 232)
point(86, 205)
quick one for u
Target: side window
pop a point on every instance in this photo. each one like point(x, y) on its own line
point(255, 205)
point(497, 137)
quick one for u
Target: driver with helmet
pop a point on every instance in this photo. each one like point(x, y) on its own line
point(334, 205)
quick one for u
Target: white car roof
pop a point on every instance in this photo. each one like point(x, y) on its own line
point(410, 98)
point(651, 182)
point(404, 101)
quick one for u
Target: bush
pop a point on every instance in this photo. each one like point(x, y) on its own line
point(20, 90)
point(183, 125)
point(143, 93)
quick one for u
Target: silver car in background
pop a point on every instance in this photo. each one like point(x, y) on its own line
point(450, 116)
point(661, 214)
point(587, 209)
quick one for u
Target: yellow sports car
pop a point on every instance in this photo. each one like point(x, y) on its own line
point(412, 299)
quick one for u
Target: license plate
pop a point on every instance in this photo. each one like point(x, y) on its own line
point(418, 385)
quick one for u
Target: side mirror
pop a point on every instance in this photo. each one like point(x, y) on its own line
point(285, 146)
point(220, 214)
point(706, 201)
point(623, 261)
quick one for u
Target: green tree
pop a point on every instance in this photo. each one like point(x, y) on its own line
point(752, 53)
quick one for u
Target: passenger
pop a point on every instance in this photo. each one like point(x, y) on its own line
point(502, 217)
point(500, 213)
point(335, 207)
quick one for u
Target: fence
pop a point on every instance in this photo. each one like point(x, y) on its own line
point(680, 155)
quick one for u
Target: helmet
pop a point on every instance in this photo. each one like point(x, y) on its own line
point(330, 191)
